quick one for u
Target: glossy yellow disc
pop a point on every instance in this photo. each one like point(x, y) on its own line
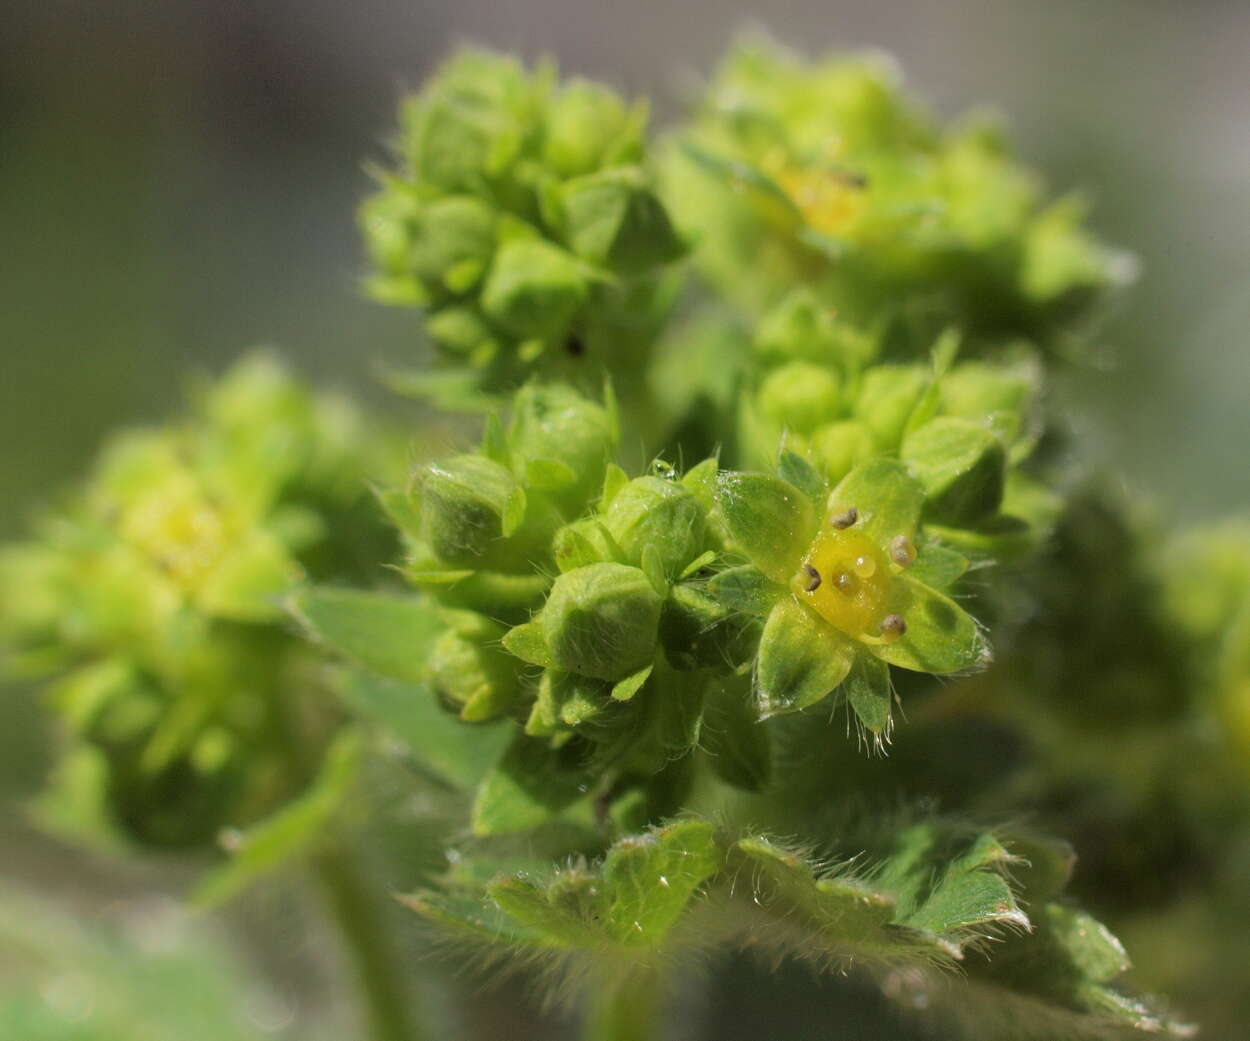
point(845, 579)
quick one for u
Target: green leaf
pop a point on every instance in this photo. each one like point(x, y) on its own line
point(294, 829)
point(801, 659)
point(745, 589)
point(456, 753)
point(733, 737)
point(770, 521)
point(889, 500)
point(531, 784)
point(869, 693)
point(387, 634)
point(649, 879)
point(941, 636)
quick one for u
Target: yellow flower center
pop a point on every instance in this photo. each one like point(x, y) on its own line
point(845, 578)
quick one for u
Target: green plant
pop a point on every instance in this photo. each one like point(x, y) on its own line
point(627, 679)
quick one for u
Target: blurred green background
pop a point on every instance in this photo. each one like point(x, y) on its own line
point(178, 183)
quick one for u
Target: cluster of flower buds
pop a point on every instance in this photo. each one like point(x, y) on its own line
point(155, 596)
point(961, 428)
point(608, 615)
point(522, 219)
point(827, 174)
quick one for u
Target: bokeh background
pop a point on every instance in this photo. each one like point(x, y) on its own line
point(178, 183)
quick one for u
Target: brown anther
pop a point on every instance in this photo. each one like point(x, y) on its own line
point(843, 517)
point(813, 578)
point(892, 627)
point(902, 551)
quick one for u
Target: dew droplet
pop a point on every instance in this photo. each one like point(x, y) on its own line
point(864, 566)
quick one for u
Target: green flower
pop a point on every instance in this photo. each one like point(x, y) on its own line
point(521, 218)
point(846, 585)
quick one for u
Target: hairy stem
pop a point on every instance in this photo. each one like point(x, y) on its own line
point(627, 1009)
point(379, 982)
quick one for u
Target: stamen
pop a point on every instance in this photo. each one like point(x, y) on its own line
point(843, 517)
point(813, 578)
point(902, 551)
point(892, 627)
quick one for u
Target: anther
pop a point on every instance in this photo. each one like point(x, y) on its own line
point(843, 517)
point(846, 583)
point(892, 627)
point(813, 578)
point(902, 551)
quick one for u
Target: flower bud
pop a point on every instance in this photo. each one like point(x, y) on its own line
point(460, 330)
point(553, 422)
point(801, 328)
point(588, 126)
point(887, 397)
point(470, 671)
point(613, 219)
point(601, 621)
point(800, 396)
point(962, 467)
point(840, 447)
point(453, 239)
point(463, 501)
point(699, 632)
point(664, 514)
point(534, 289)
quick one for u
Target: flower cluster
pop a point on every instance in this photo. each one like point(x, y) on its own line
point(522, 219)
point(828, 175)
point(155, 596)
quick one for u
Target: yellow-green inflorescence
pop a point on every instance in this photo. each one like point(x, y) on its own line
point(828, 175)
point(519, 215)
point(154, 596)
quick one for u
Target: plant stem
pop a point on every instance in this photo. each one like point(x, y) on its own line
point(627, 1009)
point(357, 916)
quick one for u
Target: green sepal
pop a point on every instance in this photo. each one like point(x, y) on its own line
point(889, 500)
point(734, 740)
point(941, 636)
point(612, 219)
point(869, 693)
point(534, 289)
point(746, 589)
point(799, 472)
point(531, 784)
point(801, 659)
point(652, 565)
point(601, 620)
point(526, 641)
point(625, 689)
point(770, 521)
point(936, 566)
point(962, 466)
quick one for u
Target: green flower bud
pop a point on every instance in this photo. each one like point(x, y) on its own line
point(582, 542)
point(887, 397)
point(800, 396)
point(697, 631)
point(1002, 397)
point(803, 329)
point(962, 467)
point(588, 126)
point(452, 244)
point(840, 447)
point(602, 621)
point(534, 289)
point(552, 422)
point(463, 504)
point(658, 513)
point(613, 219)
point(461, 330)
point(471, 672)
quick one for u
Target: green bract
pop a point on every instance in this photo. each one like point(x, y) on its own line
point(521, 218)
point(155, 597)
